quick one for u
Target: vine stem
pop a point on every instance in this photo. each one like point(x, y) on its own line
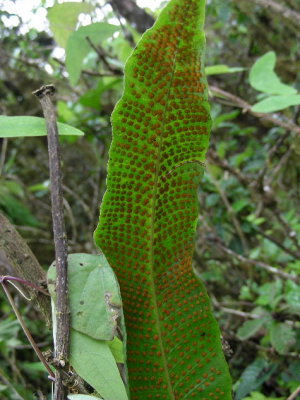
point(62, 340)
point(9, 278)
point(25, 329)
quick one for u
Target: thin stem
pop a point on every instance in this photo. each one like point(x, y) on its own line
point(102, 57)
point(259, 264)
point(295, 394)
point(4, 278)
point(26, 331)
point(272, 118)
point(62, 341)
point(231, 212)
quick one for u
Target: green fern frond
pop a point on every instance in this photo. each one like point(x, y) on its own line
point(148, 216)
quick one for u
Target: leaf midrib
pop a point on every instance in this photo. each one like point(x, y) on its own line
point(153, 214)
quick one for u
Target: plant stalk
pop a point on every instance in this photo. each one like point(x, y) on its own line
point(26, 331)
point(62, 341)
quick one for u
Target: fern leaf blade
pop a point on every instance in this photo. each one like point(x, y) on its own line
point(148, 215)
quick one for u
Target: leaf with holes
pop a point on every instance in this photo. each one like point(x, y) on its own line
point(94, 296)
point(148, 216)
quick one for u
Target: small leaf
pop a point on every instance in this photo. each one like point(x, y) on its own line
point(250, 328)
point(263, 78)
point(276, 103)
point(14, 208)
point(222, 69)
point(92, 98)
point(253, 377)
point(282, 337)
point(222, 119)
point(63, 19)
point(240, 204)
point(117, 348)
point(94, 362)
point(33, 367)
point(270, 294)
point(22, 126)
point(78, 46)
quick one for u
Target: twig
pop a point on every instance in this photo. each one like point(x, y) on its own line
point(232, 311)
point(23, 263)
point(257, 263)
point(273, 150)
point(244, 314)
point(79, 200)
point(85, 71)
point(295, 394)
point(214, 157)
point(283, 11)
point(60, 242)
point(127, 34)
point(231, 212)
point(9, 278)
point(289, 231)
point(134, 14)
point(267, 197)
point(276, 169)
point(278, 243)
point(102, 56)
point(258, 347)
point(26, 331)
point(4, 378)
point(70, 214)
point(272, 118)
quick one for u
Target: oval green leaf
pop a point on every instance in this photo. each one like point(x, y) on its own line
point(249, 328)
point(263, 78)
point(253, 377)
point(78, 46)
point(94, 362)
point(26, 126)
point(282, 337)
point(276, 103)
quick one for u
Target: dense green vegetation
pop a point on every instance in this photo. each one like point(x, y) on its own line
point(247, 247)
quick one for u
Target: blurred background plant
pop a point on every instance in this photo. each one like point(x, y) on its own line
point(247, 246)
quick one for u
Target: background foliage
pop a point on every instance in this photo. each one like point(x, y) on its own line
point(247, 247)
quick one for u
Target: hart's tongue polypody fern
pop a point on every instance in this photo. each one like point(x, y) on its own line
point(148, 216)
